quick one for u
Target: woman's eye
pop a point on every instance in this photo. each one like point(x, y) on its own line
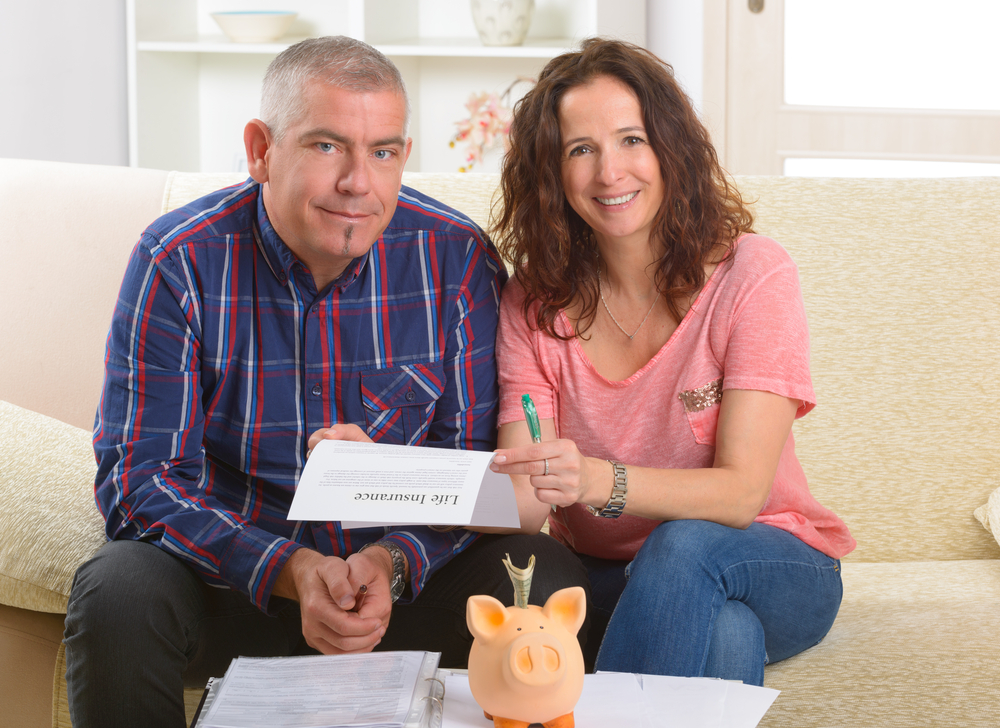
point(632, 141)
point(577, 151)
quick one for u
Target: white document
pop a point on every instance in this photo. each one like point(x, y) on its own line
point(746, 705)
point(608, 699)
point(365, 484)
point(639, 701)
point(373, 689)
point(685, 701)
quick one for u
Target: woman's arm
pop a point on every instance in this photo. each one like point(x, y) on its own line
point(752, 431)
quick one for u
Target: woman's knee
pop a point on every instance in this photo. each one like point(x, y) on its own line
point(680, 544)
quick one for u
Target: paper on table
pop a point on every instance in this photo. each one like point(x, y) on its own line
point(746, 705)
point(595, 709)
point(686, 701)
point(282, 692)
point(370, 484)
point(644, 701)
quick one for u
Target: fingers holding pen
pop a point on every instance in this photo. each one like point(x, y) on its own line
point(554, 467)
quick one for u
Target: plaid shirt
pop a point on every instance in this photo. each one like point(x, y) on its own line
point(223, 358)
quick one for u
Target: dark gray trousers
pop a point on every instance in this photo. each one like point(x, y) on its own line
point(141, 625)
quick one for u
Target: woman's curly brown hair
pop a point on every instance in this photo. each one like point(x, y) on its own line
point(552, 249)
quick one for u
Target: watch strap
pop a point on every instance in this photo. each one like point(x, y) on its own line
point(616, 503)
point(398, 583)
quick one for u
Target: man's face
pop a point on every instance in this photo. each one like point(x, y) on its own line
point(333, 181)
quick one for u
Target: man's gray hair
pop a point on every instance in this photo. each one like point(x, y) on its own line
point(334, 60)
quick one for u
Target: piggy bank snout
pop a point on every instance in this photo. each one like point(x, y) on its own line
point(536, 660)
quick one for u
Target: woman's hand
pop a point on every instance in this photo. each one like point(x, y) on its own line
point(558, 472)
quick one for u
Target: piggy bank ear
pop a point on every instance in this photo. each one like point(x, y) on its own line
point(485, 616)
point(568, 607)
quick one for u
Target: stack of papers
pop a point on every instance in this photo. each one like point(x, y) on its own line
point(375, 690)
point(642, 701)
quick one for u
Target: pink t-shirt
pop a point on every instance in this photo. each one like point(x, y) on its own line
point(746, 330)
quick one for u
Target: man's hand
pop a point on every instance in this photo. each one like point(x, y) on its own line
point(351, 433)
point(327, 588)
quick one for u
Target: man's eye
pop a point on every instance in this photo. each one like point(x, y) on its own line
point(325, 147)
point(383, 154)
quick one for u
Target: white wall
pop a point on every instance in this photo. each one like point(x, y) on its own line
point(62, 81)
point(675, 34)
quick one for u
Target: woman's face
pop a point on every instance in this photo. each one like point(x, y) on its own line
point(610, 174)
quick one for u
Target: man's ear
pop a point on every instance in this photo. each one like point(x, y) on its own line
point(406, 156)
point(257, 140)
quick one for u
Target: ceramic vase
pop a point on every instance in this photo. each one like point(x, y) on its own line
point(502, 22)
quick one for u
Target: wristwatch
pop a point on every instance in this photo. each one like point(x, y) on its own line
point(616, 504)
point(398, 582)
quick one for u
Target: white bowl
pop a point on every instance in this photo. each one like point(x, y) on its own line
point(254, 26)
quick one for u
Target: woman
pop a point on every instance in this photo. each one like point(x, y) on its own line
point(665, 347)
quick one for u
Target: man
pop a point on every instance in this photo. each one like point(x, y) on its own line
point(318, 299)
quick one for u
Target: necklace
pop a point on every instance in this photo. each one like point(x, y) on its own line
point(630, 336)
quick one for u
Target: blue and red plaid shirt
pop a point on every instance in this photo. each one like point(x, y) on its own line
point(223, 358)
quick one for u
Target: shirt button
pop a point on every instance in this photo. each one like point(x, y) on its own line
point(317, 390)
point(410, 396)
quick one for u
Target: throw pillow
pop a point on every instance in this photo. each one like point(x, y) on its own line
point(48, 518)
point(988, 514)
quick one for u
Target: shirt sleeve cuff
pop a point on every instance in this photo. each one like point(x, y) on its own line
point(252, 562)
point(441, 547)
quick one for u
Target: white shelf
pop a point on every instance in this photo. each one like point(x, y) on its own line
point(416, 47)
point(191, 90)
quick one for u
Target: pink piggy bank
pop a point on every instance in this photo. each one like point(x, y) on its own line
point(526, 665)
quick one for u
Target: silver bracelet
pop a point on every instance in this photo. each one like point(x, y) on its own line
point(616, 503)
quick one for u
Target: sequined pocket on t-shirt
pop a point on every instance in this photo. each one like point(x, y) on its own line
point(701, 408)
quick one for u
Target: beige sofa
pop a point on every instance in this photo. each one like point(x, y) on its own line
point(902, 285)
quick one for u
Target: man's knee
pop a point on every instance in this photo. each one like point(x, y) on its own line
point(127, 584)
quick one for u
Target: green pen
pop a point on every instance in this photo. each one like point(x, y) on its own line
point(531, 415)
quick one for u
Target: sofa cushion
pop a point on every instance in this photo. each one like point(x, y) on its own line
point(914, 645)
point(48, 518)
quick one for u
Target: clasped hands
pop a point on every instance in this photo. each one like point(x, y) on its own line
point(335, 619)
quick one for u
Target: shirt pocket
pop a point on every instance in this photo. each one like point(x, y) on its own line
point(399, 402)
point(701, 405)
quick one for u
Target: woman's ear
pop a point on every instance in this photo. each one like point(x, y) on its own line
point(257, 140)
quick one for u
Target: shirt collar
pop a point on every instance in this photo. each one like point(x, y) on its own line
point(281, 259)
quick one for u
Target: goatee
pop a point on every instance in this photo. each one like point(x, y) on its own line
point(348, 234)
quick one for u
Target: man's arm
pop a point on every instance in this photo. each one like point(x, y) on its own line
point(151, 479)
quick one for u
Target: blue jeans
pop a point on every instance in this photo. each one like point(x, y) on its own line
point(701, 599)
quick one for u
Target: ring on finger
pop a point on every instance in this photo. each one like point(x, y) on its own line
point(546, 467)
